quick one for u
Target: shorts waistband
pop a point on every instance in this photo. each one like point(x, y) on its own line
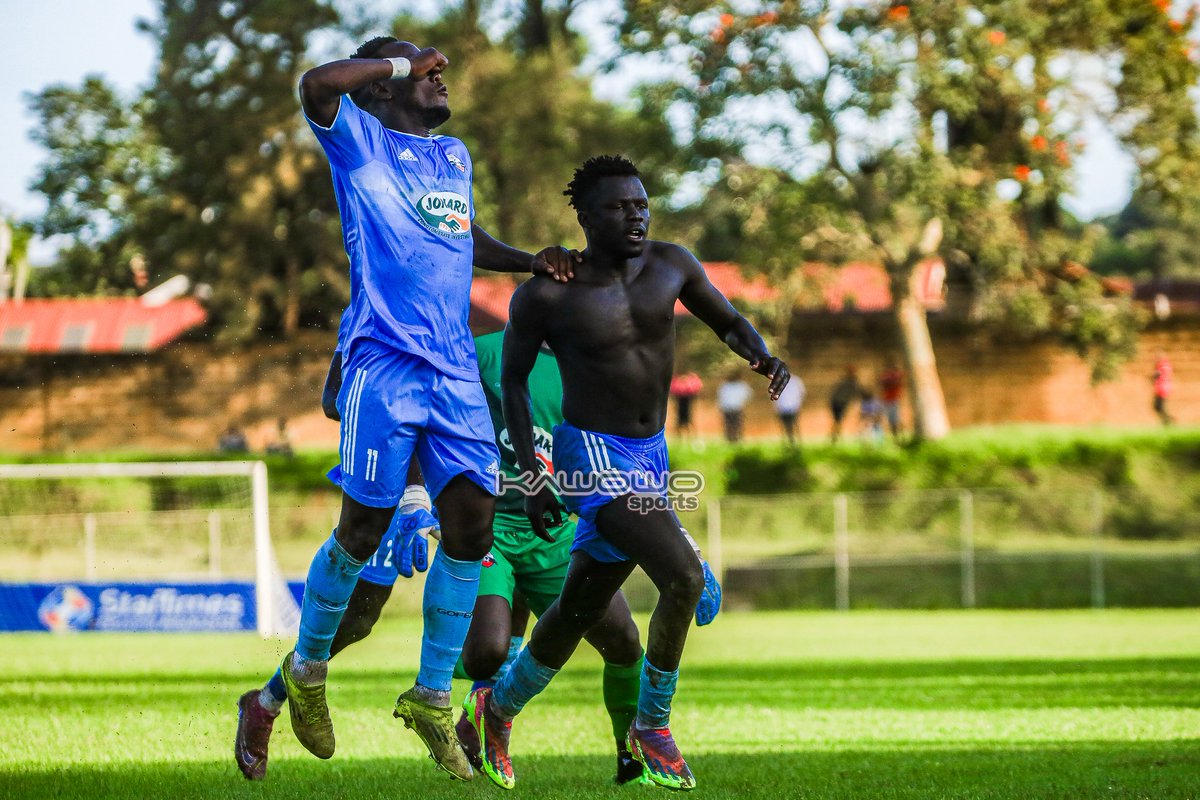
point(630, 443)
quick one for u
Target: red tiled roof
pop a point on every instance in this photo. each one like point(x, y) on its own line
point(728, 279)
point(489, 303)
point(95, 325)
point(858, 286)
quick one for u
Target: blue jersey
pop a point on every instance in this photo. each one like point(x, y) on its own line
point(406, 209)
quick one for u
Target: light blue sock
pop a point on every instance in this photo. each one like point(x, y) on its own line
point(654, 698)
point(449, 599)
point(331, 581)
point(520, 684)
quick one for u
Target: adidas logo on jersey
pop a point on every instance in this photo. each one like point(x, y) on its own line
point(407, 155)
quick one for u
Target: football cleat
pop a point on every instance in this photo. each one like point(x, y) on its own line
point(656, 750)
point(253, 736)
point(434, 726)
point(308, 711)
point(493, 738)
point(630, 771)
point(469, 740)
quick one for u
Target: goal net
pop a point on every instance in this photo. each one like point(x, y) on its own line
point(140, 546)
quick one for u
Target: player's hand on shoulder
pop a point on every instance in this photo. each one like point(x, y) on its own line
point(543, 510)
point(776, 371)
point(427, 61)
point(556, 262)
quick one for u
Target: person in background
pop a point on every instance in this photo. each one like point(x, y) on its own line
point(233, 440)
point(788, 407)
point(844, 393)
point(891, 389)
point(732, 396)
point(684, 389)
point(870, 414)
point(282, 446)
point(1163, 380)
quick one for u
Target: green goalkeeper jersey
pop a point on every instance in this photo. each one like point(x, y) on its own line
point(545, 394)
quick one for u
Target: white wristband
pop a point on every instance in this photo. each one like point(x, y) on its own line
point(401, 67)
point(416, 495)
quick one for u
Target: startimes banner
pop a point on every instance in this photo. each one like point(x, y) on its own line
point(66, 607)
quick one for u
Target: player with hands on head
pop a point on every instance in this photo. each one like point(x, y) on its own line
point(411, 381)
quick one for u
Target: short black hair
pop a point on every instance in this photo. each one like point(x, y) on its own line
point(371, 47)
point(593, 171)
point(368, 49)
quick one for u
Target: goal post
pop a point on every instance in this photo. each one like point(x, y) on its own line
point(170, 524)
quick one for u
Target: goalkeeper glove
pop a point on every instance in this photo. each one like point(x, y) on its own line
point(710, 598)
point(412, 524)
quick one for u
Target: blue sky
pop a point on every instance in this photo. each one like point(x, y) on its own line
point(53, 41)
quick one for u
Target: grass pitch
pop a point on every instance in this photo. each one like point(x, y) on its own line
point(770, 705)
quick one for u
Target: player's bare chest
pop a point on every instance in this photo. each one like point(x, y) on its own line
point(641, 310)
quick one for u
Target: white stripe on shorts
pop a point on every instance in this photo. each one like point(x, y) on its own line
point(591, 452)
point(353, 402)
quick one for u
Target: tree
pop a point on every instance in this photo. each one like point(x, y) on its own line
point(212, 173)
point(903, 124)
point(529, 117)
point(100, 184)
point(253, 210)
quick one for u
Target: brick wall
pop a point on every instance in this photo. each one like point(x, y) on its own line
point(181, 398)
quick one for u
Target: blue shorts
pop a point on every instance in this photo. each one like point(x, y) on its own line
point(593, 469)
point(394, 405)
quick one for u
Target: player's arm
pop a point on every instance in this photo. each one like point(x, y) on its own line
point(332, 388)
point(522, 339)
point(700, 297)
point(321, 88)
point(494, 255)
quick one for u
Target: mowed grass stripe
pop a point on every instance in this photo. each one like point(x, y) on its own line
point(889, 704)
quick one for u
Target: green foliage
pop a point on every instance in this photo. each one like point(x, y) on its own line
point(252, 212)
point(757, 472)
point(882, 116)
point(1152, 480)
point(529, 119)
point(211, 172)
point(105, 165)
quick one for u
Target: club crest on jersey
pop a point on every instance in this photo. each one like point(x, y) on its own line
point(446, 213)
point(456, 161)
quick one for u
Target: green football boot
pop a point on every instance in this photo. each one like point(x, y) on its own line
point(309, 712)
point(435, 727)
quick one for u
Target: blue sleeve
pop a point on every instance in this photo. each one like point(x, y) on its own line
point(353, 137)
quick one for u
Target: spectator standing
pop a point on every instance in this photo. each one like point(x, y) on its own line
point(844, 393)
point(732, 396)
point(788, 407)
point(1163, 379)
point(891, 389)
point(684, 389)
